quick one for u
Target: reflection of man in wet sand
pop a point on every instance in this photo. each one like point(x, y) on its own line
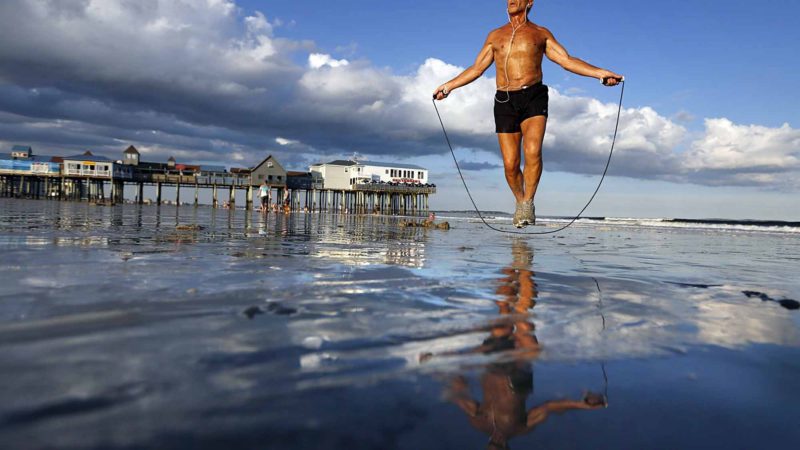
point(506, 385)
point(521, 101)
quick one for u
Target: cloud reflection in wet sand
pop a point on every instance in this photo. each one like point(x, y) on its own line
point(148, 321)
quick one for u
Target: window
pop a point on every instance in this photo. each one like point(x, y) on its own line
point(270, 178)
point(270, 164)
point(387, 171)
point(280, 177)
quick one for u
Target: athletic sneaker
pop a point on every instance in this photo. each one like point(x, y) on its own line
point(528, 213)
point(519, 216)
point(530, 218)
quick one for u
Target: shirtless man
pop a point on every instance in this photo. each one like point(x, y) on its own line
point(520, 108)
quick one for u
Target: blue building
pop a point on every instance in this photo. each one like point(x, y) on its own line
point(22, 161)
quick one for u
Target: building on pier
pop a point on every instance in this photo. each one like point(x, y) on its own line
point(132, 156)
point(269, 171)
point(22, 161)
point(344, 186)
point(21, 152)
point(302, 181)
point(348, 175)
point(372, 187)
point(93, 166)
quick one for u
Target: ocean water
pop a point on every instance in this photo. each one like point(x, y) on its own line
point(148, 327)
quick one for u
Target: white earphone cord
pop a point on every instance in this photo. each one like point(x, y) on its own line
point(508, 56)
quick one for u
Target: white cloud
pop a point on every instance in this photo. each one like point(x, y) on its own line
point(728, 146)
point(684, 117)
point(258, 23)
point(285, 142)
point(200, 70)
point(319, 60)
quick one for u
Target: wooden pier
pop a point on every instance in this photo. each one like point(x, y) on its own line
point(98, 179)
point(361, 199)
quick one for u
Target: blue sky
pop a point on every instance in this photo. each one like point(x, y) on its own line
point(711, 58)
point(710, 128)
point(705, 58)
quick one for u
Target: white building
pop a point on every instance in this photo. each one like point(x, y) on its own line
point(342, 175)
point(89, 165)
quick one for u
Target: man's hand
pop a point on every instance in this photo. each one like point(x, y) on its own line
point(609, 78)
point(441, 92)
point(594, 401)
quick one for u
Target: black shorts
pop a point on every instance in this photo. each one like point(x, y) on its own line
point(521, 105)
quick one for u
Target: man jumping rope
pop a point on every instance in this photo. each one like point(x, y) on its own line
point(521, 109)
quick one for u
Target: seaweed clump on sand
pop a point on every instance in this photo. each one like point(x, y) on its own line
point(189, 227)
point(787, 303)
point(425, 224)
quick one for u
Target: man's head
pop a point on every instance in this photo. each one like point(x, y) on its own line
point(518, 6)
point(497, 445)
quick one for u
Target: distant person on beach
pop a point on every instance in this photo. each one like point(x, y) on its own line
point(431, 220)
point(263, 192)
point(521, 101)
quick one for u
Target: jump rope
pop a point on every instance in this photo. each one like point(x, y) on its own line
point(446, 92)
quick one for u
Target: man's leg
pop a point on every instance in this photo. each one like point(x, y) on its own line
point(509, 147)
point(533, 134)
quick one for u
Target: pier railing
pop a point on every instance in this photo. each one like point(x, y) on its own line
point(394, 189)
point(205, 180)
point(173, 179)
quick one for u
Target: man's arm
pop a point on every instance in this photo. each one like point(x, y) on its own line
point(458, 393)
point(540, 413)
point(482, 62)
point(559, 55)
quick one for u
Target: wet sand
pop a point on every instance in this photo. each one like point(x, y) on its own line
point(120, 330)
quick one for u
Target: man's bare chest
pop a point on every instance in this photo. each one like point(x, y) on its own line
point(526, 42)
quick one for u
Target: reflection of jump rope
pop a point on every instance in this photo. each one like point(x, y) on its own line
point(603, 317)
point(477, 210)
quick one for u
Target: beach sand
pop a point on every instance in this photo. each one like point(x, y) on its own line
point(147, 327)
